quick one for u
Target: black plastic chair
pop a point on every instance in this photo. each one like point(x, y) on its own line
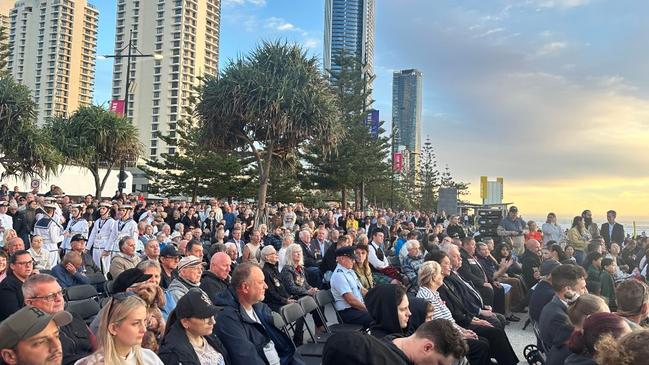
point(292, 313)
point(324, 297)
point(80, 292)
point(86, 309)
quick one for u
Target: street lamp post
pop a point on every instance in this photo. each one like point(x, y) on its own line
point(130, 47)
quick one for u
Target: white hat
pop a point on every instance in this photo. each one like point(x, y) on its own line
point(189, 261)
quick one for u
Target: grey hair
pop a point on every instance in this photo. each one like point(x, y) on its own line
point(411, 243)
point(31, 282)
point(288, 257)
point(147, 264)
point(265, 252)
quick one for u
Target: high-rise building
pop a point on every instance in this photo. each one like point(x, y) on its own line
point(52, 49)
point(5, 8)
point(186, 34)
point(349, 28)
point(406, 111)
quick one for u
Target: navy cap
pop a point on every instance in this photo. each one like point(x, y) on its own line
point(169, 251)
point(195, 304)
point(78, 237)
point(348, 251)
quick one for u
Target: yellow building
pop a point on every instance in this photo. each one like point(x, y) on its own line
point(52, 49)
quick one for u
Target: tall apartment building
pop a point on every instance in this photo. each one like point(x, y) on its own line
point(349, 27)
point(406, 111)
point(52, 49)
point(186, 34)
point(5, 8)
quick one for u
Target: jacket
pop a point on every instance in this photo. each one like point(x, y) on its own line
point(359, 348)
point(12, 296)
point(381, 303)
point(577, 359)
point(176, 349)
point(180, 287)
point(308, 254)
point(121, 263)
point(212, 285)
point(76, 340)
point(531, 263)
point(539, 297)
point(245, 339)
point(618, 234)
point(294, 282)
point(576, 239)
point(66, 279)
point(276, 294)
point(555, 329)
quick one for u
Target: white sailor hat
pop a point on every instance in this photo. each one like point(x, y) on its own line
point(50, 205)
point(126, 206)
point(79, 206)
point(105, 205)
point(4, 203)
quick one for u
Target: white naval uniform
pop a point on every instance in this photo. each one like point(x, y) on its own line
point(75, 226)
point(101, 237)
point(6, 222)
point(52, 234)
point(120, 229)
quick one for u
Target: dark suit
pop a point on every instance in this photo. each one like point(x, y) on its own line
point(472, 272)
point(315, 247)
point(555, 329)
point(540, 296)
point(617, 236)
point(530, 263)
point(311, 264)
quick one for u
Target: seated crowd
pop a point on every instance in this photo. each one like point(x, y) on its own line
point(180, 283)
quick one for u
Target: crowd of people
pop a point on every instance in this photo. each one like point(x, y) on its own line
point(202, 283)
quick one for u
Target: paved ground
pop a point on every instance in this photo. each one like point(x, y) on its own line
point(519, 338)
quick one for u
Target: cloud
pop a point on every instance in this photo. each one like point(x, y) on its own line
point(281, 25)
point(231, 3)
point(490, 32)
point(551, 48)
point(559, 4)
point(311, 43)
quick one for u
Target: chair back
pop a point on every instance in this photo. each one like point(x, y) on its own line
point(291, 312)
point(80, 292)
point(86, 308)
point(324, 297)
point(308, 304)
point(278, 321)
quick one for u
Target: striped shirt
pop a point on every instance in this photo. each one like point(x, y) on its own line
point(440, 310)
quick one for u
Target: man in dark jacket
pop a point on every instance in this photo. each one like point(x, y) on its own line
point(472, 272)
point(176, 347)
point(612, 231)
point(531, 262)
point(43, 292)
point(543, 292)
point(217, 278)
point(245, 325)
point(21, 265)
point(312, 259)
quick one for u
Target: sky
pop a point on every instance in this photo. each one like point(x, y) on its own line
point(552, 95)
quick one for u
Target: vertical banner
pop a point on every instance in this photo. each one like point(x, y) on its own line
point(117, 107)
point(397, 162)
point(372, 122)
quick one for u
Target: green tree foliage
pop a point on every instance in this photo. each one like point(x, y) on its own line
point(94, 138)
point(25, 150)
point(359, 159)
point(447, 181)
point(429, 177)
point(195, 170)
point(268, 105)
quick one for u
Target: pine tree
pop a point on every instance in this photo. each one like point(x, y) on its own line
point(429, 177)
point(448, 182)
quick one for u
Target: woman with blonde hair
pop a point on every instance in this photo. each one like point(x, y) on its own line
point(121, 329)
point(583, 307)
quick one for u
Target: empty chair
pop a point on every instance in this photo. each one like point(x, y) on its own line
point(292, 313)
point(108, 287)
point(86, 308)
point(324, 297)
point(309, 305)
point(79, 292)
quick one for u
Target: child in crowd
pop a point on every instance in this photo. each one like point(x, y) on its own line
point(607, 280)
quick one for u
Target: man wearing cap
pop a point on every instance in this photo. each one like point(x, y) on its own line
point(347, 290)
point(169, 258)
point(126, 258)
point(31, 337)
point(189, 339)
point(513, 229)
point(51, 231)
point(11, 297)
point(6, 222)
point(77, 225)
point(542, 292)
point(190, 269)
point(101, 237)
point(43, 292)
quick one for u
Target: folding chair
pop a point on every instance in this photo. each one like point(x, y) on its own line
point(86, 308)
point(80, 292)
point(292, 313)
point(309, 305)
point(324, 297)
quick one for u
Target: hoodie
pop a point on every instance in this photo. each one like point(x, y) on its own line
point(382, 302)
point(418, 311)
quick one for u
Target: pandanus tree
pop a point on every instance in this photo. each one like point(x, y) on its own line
point(269, 104)
point(94, 138)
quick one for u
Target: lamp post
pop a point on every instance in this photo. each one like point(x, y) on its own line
point(130, 47)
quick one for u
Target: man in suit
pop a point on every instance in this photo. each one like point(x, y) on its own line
point(568, 282)
point(380, 226)
point(320, 244)
point(312, 259)
point(612, 231)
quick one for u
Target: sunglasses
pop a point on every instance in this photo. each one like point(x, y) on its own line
point(119, 297)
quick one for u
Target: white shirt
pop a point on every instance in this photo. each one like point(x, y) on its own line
point(374, 260)
point(269, 350)
point(6, 222)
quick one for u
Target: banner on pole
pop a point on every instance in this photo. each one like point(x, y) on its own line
point(397, 162)
point(117, 107)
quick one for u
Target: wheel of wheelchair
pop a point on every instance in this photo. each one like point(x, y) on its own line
point(533, 355)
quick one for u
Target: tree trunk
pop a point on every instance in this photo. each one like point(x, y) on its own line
point(264, 175)
point(194, 190)
point(103, 181)
point(356, 201)
point(343, 194)
point(95, 175)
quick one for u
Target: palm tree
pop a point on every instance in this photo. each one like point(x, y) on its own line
point(95, 138)
point(268, 105)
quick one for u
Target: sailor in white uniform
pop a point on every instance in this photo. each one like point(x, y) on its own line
point(76, 225)
point(101, 238)
point(51, 231)
point(124, 226)
point(6, 222)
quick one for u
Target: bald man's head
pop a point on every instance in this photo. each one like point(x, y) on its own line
point(220, 265)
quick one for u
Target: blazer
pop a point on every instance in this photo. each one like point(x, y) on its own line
point(555, 329)
point(618, 234)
